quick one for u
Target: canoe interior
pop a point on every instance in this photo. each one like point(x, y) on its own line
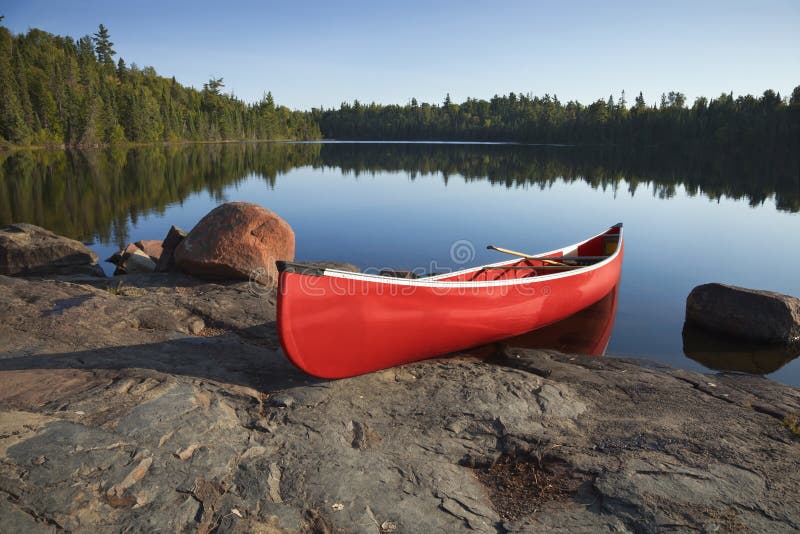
point(597, 249)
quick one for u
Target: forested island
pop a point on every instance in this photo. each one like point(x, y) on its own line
point(58, 91)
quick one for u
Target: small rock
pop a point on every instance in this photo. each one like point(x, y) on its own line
point(139, 262)
point(388, 526)
point(115, 258)
point(151, 247)
point(235, 240)
point(337, 507)
point(166, 262)
point(129, 249)
point(745, 313)
point(196, 325)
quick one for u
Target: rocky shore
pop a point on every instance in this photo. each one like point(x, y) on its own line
point(162, 402)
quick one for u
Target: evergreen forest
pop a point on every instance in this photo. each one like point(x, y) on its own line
point(57, 91)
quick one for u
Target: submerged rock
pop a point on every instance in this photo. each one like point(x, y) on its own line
point(29, 250)
point(237, 240)
point(745, 313)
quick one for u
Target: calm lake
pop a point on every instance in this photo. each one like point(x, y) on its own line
point(689, 218)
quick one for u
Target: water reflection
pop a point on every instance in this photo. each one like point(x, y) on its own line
point(722, 354)
point(96, 194)
point(586, 332)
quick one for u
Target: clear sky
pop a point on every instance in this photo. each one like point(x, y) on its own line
point(312, 53)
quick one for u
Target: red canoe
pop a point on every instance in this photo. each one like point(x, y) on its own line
point(335, 324)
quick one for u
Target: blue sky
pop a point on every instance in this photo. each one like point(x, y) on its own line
point(312, 53)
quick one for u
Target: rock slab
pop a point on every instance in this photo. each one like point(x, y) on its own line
point(116, 416)
point(745, 313)
point(29, 250)
point(237, 240)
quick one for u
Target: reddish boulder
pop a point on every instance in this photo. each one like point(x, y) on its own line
point(237, 240)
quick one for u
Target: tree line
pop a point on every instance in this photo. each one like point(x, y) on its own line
point(60, 91)
point(765, 123)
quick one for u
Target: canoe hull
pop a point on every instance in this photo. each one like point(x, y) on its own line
point(334, 326)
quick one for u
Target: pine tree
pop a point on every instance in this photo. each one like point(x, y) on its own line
point(640, 103)
point(103, 46)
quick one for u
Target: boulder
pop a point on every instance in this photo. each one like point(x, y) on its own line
point(745, 313)
point(26, 249)
point(166, 262)
point(237, 240)
point(152, 247)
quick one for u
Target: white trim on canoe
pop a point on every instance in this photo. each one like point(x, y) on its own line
point(433, 281)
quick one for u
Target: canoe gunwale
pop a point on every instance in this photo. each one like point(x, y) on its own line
point(435, 281)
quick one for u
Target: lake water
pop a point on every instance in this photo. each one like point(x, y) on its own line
point(689, 218)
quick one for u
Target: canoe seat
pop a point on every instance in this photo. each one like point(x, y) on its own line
point(610, 244)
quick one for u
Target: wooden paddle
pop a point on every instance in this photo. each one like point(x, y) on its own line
point(526, 256)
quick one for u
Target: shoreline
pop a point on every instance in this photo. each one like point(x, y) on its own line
point(169, 399)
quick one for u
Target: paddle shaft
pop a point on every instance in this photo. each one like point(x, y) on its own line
point(521, 254)
point(559, 260)
point(532, 267)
